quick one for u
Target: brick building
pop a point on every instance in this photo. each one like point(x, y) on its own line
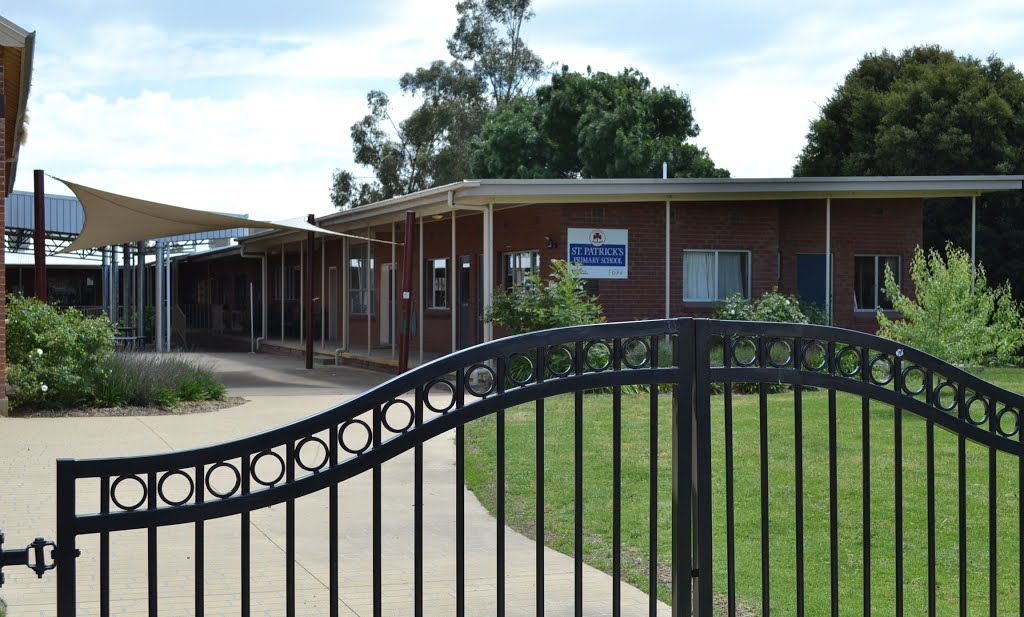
point(16, 47)
point(652, 249)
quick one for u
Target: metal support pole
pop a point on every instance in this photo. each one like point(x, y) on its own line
point(308, 293)
point(974, 239)
point(450, 292)
point(369, 294)
point(126, 286)
point(391, 292)
point(140, 287)
point(105, 276)
point(281, 295)
point(828, 259)
point(323, 292)
point(488, 289)
point(668, 259)
point(346, 295)
point(252, 319)
point(39, 238)
point(158, 268)
point(302, 291)
point(423, 300)
point(170, 303)
point(410, 244)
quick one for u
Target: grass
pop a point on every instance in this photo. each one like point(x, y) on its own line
point(559, 503)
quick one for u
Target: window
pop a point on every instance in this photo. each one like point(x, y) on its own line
point(709, 276)
point(292, 283)
point(360, 280)
point(437, 283)
point(869, 281)
point(520, 265)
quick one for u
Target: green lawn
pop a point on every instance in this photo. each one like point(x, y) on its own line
point(520, 489)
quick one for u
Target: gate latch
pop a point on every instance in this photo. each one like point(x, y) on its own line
point(32, 556)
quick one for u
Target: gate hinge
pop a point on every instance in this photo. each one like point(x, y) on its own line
point(32, 556)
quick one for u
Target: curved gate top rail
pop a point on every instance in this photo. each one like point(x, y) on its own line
point(322, 450)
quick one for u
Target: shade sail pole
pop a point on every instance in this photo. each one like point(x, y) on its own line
point(158, 268)
point(39, 237)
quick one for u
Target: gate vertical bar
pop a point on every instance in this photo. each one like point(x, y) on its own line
point(762, 398)
point(833, 488)
point(616, 484)
point(798, 472)
point(992, 506)
point(153, 582)
point(578, 486)
point(702, 426)
point(682, 470)
point(417, 507)
point(289, 515)
point(652, 526)
point(66, 551)
point(200, 547)
point(378, 609)
point(961, 458)
point(105, 550)
point(900, 387)
point(865, 414)
point(730, 501)
point(245, 540)
point(539, 505)
point(930, 466)
point(500, 490)
point(332, 541)
point(460, 498)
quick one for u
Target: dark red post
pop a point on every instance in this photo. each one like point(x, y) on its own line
point(39, 237)
point(407, 265)
point(309, 293)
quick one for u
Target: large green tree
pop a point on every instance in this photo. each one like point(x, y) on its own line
point(928, 111)
point(593, 125)
point(491, 66)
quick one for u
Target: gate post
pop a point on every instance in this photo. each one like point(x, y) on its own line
point(683, 395)
point(702, 466)
point(64, 557)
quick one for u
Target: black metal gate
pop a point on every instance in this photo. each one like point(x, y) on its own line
point(703, 363)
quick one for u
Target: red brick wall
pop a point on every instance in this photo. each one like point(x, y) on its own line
point(774, 231)
point(3, 260)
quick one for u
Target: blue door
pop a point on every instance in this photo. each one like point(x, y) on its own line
point(810, 279)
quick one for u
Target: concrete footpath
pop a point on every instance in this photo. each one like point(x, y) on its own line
point(279, 391)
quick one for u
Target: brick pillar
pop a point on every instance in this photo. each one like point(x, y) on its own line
point(3, 258)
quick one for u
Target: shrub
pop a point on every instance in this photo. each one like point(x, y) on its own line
point(950, 319)
point(536, 304)
point(147, 379)
point(772, 306)
point(55, 356)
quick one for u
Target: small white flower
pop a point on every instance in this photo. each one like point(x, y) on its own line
point(44, 388)
point(39, 351)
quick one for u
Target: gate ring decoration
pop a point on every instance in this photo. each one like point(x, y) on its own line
point(846, 353)
point(298, 453)
point(937, 396)
point(225, 494)
point(888, 367)
point(967, 409)
point(473, 380)
point(430, 386)
point(645, 358)
point(1016, 421)
point(173, 502)
point(390, 405)
point(256, 459)
point(814, 349)
point(742, 342)
point(113, 493)
point(906, 374)
point(591, 346)
point(511, 374)
point(341, 436)
point(554, 352)
point(771, 353)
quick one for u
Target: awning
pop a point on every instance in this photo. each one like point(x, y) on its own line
point(112, 219)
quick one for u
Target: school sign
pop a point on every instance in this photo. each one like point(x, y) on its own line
point(600, 253)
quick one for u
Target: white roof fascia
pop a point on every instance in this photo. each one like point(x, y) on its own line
point(12, 35)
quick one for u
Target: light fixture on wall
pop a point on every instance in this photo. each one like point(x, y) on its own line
point(437, 217)
point(552, 243)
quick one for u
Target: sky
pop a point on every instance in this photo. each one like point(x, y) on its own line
point(245, 107)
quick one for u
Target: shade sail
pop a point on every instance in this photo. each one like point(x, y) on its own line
point(118, 219)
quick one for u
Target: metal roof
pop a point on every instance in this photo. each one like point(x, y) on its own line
point(65, 219)
point(510, 193)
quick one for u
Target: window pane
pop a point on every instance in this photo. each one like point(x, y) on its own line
point(864, 282)
point(698, 275)
point(732, 274)
point(891, 262)
point(438, 282)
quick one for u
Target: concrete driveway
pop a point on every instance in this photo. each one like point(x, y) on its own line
point(278, 391)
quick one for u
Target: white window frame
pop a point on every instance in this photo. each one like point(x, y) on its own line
point(518, 274)
point(879, 284)
point(367, 267)
point(716, 252)
point(431, 278)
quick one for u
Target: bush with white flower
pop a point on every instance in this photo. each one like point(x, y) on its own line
point(772, 306)
point(55, 356)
